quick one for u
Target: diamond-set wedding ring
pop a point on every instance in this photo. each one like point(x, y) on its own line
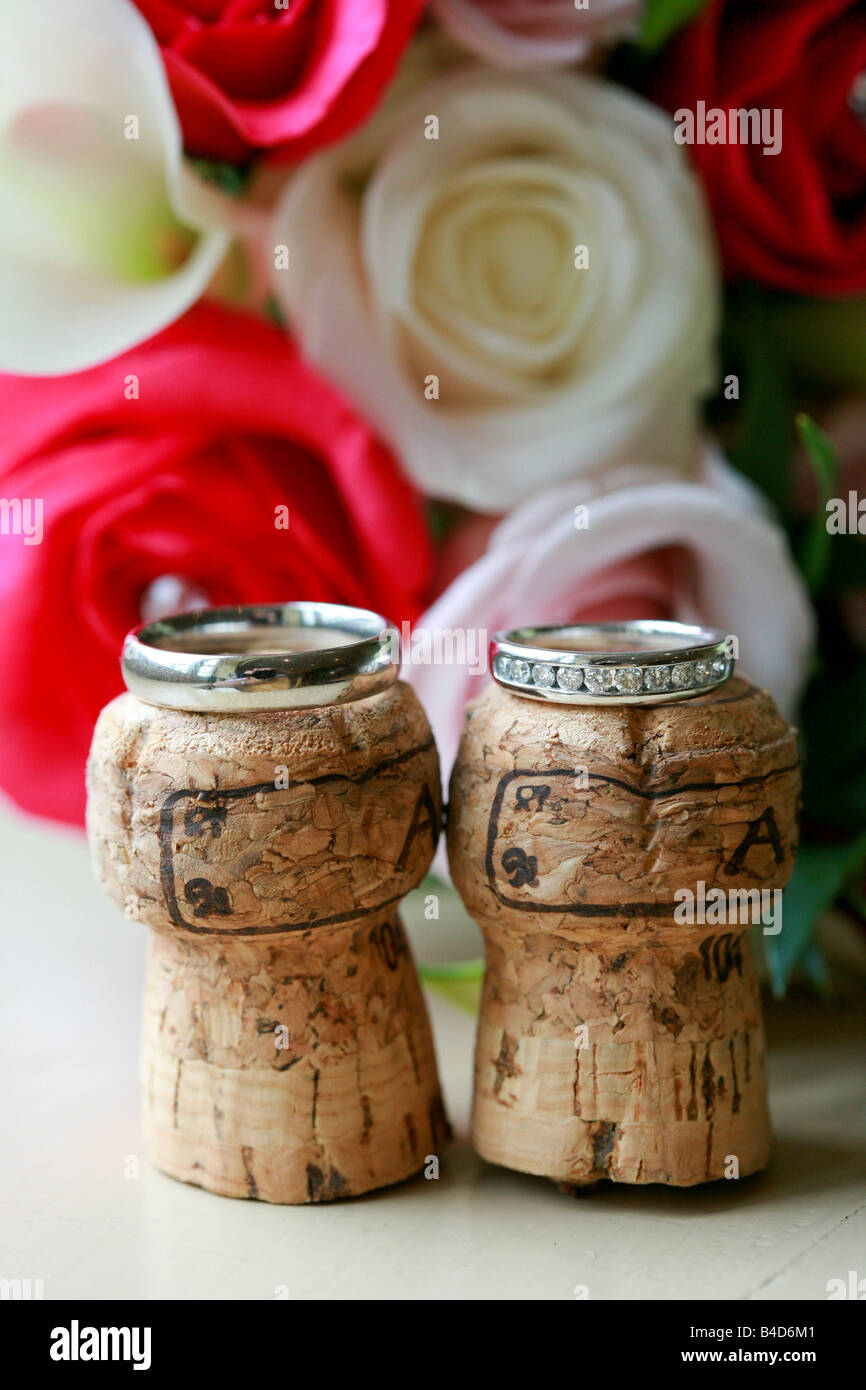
point(630, 663)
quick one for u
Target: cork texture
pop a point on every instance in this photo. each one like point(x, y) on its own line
point(616, 1041)
point(287, 1053)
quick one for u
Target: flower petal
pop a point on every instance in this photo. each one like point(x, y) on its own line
point(97, 248)
point(537, 568)
point(450, 264)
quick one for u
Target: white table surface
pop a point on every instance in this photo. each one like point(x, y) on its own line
point(72, 972)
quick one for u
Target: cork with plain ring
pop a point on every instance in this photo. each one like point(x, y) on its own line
point(286, 1052)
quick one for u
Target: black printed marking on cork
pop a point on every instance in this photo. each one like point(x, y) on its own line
point(505, 1064)
point(765, 822)
point(320, 1189)
point(603, 1141)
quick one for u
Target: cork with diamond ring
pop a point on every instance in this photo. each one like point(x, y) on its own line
point(613, 858)
point(287, 1053)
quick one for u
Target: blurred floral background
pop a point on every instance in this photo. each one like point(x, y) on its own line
point(444, 309)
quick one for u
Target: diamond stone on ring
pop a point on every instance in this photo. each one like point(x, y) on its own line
point(629, 663)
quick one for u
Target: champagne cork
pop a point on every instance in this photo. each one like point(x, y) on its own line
point(617, 1040)
point(286, 1053)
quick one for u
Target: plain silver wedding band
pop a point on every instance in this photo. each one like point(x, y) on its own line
point(261, 657)
point(631, 663)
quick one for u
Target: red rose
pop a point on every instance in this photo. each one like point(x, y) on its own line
point(266, 75)
point(797, 219)
point(189, 480)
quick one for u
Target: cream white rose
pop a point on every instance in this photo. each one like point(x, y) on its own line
point(441, 282)
point(526, 33)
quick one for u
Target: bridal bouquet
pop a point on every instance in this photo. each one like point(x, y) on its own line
point(476, 312)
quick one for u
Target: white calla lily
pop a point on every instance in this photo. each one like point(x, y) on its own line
point(102, 235)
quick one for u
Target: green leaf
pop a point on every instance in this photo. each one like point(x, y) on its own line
point(442, 518)
point(274, 312)
point(815, 554)
point(815, 965)
point(459, 982)
point(818, 878)
point(231, 178)
point(764, 436)
point(825, 340)
point(847, 565)
point(662, 18)
point(836, 709)
point(833, 735)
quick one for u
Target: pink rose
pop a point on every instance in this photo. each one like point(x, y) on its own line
point(653, 546)
point(535, 33)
